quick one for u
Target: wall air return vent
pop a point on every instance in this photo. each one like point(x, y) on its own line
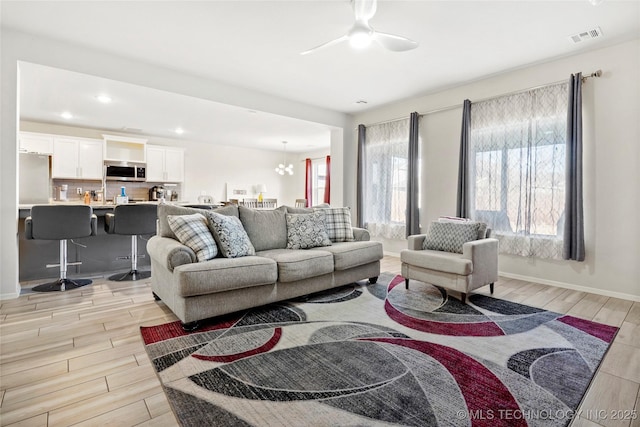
point(594, 33)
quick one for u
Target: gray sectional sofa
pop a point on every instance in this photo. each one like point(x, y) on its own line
point(199, 290)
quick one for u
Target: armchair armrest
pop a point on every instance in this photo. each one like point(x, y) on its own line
point(483, 254)
point(361, 234)
point(416, 241)
point(169, 252)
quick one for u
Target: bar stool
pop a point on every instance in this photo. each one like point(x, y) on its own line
point(61, 222)
point(132, 220)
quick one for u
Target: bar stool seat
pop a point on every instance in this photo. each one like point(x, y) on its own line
point(61, 222)
point(132, 220)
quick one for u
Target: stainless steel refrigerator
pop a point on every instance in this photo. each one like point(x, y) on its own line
point(34, 178)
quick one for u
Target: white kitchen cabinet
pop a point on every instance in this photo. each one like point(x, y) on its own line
point(165, 164)
point(77, 158)
point(39, 143)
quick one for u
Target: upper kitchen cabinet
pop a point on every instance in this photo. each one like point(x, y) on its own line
point(165, 164)
point(124, 149)
point(77, 158)
point(39, 143)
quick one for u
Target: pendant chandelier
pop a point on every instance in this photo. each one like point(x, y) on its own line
point(281, 169)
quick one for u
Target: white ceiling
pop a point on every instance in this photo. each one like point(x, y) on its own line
point(256, 45)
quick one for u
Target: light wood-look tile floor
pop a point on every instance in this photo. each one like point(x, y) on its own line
point(77, 358)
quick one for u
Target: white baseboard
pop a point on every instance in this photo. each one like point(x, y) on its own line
point(571, 286)
point(11, 295)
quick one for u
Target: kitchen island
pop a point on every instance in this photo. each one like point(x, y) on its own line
point(99, 254)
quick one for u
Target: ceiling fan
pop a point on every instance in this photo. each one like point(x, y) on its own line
point(362, 34)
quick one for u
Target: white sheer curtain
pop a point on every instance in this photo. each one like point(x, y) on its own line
point(385, 179)
point(517, 169)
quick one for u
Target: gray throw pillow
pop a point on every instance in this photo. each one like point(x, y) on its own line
point(450, 236)
point(306, 231)
point(192, 231)
point(230, 236)
point(338, 223)
point(267, 229)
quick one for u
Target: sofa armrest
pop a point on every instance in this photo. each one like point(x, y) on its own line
point(416, 241)
point(169, 252)
point(483, 254)
point(361, 234)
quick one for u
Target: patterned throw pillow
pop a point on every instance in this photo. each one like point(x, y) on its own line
point(192, 231)
point(231, 237)
point(450, 236)
point(306, 231)
point(482, 230)
point(338, 223)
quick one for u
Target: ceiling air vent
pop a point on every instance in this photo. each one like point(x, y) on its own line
point(586, 35)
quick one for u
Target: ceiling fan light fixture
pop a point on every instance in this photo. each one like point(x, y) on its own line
point(360, 38)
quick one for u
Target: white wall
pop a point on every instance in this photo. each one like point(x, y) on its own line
point(611, 116)
point(17, 46)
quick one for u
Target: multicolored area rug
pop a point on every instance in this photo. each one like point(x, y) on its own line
point(370, 355)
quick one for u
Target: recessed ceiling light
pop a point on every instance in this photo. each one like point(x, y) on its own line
point(105, 99)
point(66, 115)
point(179, 131)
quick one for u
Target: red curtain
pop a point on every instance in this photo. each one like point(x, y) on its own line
point(327, 187)
point(308, 181)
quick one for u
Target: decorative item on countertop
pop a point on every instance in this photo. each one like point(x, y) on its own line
point(87, 198)
point(122, 198)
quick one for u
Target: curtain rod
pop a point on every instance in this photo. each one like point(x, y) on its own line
point(313, 158)
point(595, 74)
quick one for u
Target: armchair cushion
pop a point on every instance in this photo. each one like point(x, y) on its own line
point(438, 260)
point(450, 236)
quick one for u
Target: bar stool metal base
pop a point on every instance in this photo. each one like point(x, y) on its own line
point(62, 285)
point(130, 276)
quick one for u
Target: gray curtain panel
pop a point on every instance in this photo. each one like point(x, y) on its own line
point(362, 131)
point(573, 214)
point(413, 180)
point(462, 208)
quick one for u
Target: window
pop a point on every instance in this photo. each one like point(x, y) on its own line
point(319, 174)
point(385, 180)
point(517, 147)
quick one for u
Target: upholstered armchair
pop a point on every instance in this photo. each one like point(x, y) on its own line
point(475, 265)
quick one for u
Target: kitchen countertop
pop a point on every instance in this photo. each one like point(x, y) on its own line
point(107, 205)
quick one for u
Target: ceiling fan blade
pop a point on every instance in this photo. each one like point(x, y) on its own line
point(395, 43)
point(364, 9)
point(327, 44)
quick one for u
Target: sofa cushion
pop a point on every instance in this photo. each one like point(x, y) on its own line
point(306, 231)
point(299, 264)
point(450, 236)
point(338, 223)
point(347, 255)
point(448, 262)
point(192, 231)
point(224, 274)
point(267, 229)
point(230, 236)
point(165, 209)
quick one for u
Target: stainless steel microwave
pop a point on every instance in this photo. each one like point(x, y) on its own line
point(125, 171)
